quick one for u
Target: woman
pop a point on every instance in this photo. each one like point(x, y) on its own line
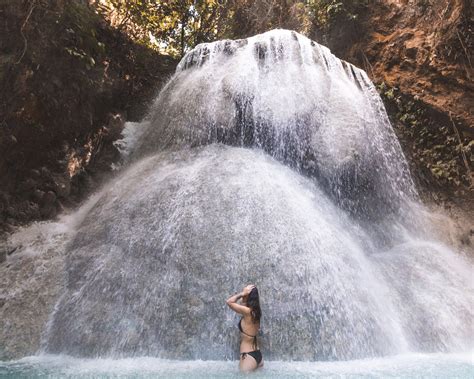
point(249, 325)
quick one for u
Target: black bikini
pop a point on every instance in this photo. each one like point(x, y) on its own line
point(256, 354)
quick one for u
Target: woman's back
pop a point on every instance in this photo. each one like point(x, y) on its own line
point(248, 333)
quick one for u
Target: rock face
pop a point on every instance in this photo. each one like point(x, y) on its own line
point(67, 83)
point(31, 276)
point(425, 50)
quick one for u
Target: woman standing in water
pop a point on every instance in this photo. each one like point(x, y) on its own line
point(249, 325)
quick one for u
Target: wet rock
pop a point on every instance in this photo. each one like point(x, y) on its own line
point(48, 211)
point(7, 250)
point(3, 202)
point(83, 182)
point(28, 185)
point(61, 186)
point(22, 216)
point(28, 212)
point(45, 173)
point(11, 250)
point(10, 140)
point(10, 221)
point(114, 128)
point(49, 207)
point(466, 238)
point(38, 195)
point(48, 199)
point(411, 52)
point(34, 134)
point(59, 207)
point(35, 174)
point(11, 212)
point(8, 227)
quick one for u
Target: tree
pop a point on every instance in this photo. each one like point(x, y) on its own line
point(172, 26)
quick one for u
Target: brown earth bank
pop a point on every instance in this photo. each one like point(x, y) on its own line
point(68, 81)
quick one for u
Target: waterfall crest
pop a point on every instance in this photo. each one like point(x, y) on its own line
point(264, 160)
point(291, 97)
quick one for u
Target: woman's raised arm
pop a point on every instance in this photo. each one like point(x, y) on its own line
point(232, 303)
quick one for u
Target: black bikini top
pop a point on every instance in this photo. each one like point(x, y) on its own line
point(248, 335)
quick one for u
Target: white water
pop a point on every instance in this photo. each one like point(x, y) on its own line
point(268, 161)
point(223, 216)
point(432, 366)
point(291, 97)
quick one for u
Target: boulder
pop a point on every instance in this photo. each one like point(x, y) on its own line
point(114, 127)
point(61, 185)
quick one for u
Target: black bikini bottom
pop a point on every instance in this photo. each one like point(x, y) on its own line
point(256, 354)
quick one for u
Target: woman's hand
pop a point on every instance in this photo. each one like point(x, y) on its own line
point(232, 301)
point(247, 289)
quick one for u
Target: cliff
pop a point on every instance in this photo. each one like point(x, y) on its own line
point(68, 81)
point(420, 54)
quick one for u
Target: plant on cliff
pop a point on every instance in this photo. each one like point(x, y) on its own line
point(442, 153)
point(325, 12)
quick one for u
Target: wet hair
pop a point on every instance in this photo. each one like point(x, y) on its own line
point(253, 302)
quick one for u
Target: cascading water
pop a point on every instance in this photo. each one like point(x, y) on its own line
point(292, 98)
point(265, 160)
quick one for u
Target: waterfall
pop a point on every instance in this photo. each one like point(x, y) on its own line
point(267, 161)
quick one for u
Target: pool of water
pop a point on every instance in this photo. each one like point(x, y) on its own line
point(403, 366)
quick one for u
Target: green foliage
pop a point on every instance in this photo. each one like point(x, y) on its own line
point(436, 147)
point(325, 12)
point(175, 26)
point(80, 37)
point(170, 26)
point(82, 55)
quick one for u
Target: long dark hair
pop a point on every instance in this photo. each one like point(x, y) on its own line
point(253, 302)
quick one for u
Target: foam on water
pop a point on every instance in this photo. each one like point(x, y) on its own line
point(131, 134)
point(411, 366)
